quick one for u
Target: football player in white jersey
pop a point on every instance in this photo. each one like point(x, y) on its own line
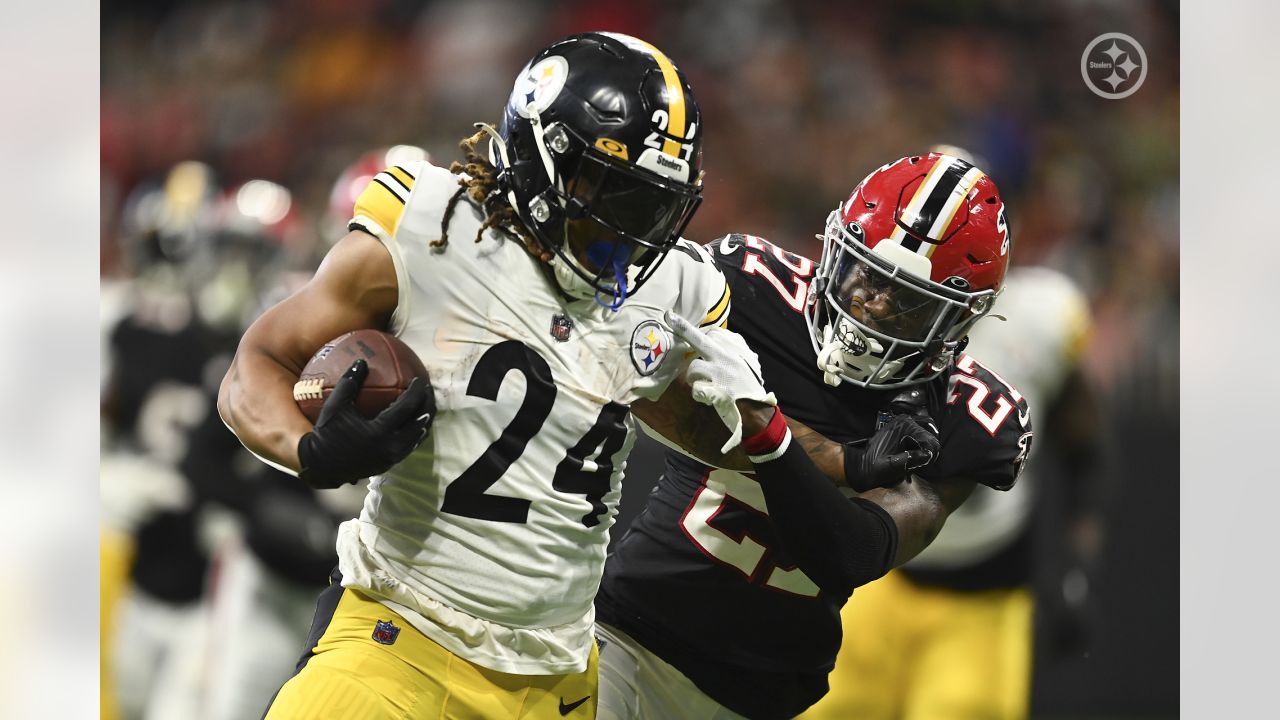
point(533, 282)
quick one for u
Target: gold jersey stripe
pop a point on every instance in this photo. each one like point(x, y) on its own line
point(718, 313)
point(381, 205)
point(404, 178)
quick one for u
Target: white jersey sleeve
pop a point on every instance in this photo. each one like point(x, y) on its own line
point(694, 287)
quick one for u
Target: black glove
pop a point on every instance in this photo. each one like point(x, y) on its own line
point(907, 442)
point(346, 447)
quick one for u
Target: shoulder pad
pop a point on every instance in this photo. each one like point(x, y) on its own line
point(703, 291)
point(985, 427)
point(380, 206)
point(726, 246)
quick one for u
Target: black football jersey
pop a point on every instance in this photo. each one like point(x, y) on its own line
point(701, 578)
point(156, 378)
point(168, 375)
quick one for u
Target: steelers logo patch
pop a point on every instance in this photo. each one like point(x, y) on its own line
point(649, 345)
point(539, 85)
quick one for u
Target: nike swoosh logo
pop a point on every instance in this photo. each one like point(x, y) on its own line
point(566, 709)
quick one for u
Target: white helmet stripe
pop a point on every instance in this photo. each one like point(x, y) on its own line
point(911, 213)
point(953, 203)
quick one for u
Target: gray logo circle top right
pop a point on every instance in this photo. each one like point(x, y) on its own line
point(1113, 65)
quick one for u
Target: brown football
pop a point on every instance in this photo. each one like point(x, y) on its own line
point(392, 366)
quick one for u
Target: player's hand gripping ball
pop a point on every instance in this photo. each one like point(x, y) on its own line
point(371, 403)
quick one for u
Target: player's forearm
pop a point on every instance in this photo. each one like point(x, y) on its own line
point(919, 509)
point(690, 426)
point(839, 543)
point(256, 402)
point(917, 512)
point(701, 432)
point(826, 454)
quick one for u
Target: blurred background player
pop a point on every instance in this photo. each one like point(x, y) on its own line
point(175, 487)
point(949, 636)
point(262, 595)
point(716, 604)
point(158, 362)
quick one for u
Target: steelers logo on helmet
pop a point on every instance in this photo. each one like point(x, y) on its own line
point(538, 87)
point(649, 345)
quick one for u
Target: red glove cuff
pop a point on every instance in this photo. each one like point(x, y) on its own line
point(770, 439)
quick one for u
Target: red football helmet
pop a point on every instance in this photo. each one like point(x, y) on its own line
point(910, 262)
point(355, 178)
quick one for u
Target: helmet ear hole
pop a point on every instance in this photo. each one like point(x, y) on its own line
point(957, 282)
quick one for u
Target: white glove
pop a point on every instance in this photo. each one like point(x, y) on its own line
point(727, 372)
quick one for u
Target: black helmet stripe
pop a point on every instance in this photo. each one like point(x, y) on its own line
point(939, 185)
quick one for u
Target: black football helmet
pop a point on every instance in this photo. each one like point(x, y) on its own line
point(599, 153)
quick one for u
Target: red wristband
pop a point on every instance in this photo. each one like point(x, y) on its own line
point(768, 439)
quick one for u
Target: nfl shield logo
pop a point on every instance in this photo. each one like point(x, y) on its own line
point(561, 326)
point(385, 632)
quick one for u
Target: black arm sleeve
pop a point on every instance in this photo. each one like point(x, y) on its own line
point(839, 542)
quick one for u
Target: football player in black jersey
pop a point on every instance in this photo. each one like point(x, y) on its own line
point(723, 598)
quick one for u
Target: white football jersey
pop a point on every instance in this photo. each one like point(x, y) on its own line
point(491, 537)
point(1035, 348)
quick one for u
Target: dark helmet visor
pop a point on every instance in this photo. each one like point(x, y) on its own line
point(636, 204)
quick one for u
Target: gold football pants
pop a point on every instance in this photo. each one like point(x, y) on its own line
point(925, 653)
point(353, 676)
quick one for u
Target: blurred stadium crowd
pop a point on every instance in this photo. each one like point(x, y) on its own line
point(226, 126)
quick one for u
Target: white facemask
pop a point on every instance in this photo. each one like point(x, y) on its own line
point(839, 356)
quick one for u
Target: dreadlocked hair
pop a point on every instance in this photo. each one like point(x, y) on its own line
point(480, 185)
